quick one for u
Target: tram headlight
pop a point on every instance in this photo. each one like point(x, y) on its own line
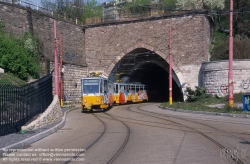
point(97, 100)
point(85, 101)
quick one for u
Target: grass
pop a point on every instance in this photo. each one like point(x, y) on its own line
point(6, 78)
point(202, 105)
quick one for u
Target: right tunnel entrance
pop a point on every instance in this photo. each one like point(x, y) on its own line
point(157, 80)
point(146, 67)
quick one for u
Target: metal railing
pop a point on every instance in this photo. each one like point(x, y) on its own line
point(20, 105)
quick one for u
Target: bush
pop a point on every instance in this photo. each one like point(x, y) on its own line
point(19, 55)
point(198, 94)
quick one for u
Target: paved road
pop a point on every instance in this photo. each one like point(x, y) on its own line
point(164, 137)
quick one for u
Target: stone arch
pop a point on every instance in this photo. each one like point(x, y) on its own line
point(180, 77)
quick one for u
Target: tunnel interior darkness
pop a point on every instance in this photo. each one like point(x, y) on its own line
point(142, 65)
point(157, 81)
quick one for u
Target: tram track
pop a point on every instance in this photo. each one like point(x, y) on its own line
point(101, 118)
point(91, 144)
point(113, 158)
point(218, 144)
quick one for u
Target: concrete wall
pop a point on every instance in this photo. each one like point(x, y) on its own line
point(214, 77)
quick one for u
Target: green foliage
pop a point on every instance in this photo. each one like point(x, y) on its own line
point(1, 25)
point(169, 3)
point(203, 104)
point(19, 55)
point(201, 4)
point(197, 94)
point(219, 48)
point(241, 32)
point(138, 3)
point(91, 9)
point(10, 79)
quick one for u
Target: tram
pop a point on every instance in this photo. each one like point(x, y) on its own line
point(129, 93)
point(98, 93)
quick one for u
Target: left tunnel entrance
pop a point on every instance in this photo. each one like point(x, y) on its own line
point(146, 67)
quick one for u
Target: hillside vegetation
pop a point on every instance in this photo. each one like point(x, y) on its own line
point(18, 56)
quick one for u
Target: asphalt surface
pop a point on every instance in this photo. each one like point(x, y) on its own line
point(16, 141)
point(152, 140)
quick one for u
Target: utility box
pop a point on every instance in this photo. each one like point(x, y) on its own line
point(246, 103)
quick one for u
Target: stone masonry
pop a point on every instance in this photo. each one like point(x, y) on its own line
point(214, 77)
point(72, 82)
point(99, 47)
point(19, 20)
point(191, 40)
point(52, 114)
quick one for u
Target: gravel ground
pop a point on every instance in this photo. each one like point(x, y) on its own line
point(16, 137)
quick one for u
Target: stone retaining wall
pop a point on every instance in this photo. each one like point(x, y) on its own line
point(214, 77)
point(52, 114)
point(72, 82)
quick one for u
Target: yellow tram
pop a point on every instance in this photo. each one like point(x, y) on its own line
point(129, 93)
point(97, 93)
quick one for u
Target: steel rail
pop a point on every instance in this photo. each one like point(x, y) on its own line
point(91, 144)
point(124, 143)
point(239, 161)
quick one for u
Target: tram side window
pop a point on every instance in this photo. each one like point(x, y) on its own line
point(101, 86)
point(122, 88)
point(137, 88)
point(132, 89)
point(105, 85)
point(128, 88)
point(116, 88)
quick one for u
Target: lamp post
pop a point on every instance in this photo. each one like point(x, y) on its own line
point(230, 72)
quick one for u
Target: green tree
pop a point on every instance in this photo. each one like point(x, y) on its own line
point(169, 3)
point(201, 4)
point(241, 31)
point(69, 9)
point(91, 9)
point(138, 3)
point(19, 55)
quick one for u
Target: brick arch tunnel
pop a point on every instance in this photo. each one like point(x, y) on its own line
point(147, 67)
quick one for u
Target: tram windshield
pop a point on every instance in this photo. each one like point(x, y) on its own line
point(90, 86)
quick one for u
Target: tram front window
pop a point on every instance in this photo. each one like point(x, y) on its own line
point(91, 86)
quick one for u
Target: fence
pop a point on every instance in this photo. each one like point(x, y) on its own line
point(19, 105)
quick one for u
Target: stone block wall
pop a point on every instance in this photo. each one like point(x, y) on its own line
point(190, 40)
point(19, 20)
point(72, 82)
point(214, 77)
point(52, 114)
point(97, 48)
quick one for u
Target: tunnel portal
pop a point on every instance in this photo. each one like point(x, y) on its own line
point(146, 67)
